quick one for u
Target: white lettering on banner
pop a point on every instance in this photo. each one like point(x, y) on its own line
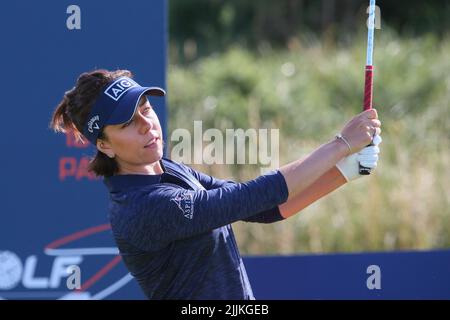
point(59, 271)
point(14, 274)
point(10, 270)
point(29, 280)
point(73, 21)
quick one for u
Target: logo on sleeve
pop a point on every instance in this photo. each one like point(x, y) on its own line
point(185, 203)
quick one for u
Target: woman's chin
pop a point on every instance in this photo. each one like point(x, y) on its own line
point(156, 155)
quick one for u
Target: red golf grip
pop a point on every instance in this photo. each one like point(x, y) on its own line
point(368, 88)
point(368, 94)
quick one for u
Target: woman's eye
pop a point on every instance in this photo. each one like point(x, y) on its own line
point(126, 124)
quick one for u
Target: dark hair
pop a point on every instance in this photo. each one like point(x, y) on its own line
point(72, 112)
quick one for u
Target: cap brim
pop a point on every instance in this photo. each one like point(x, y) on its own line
point(128, 104)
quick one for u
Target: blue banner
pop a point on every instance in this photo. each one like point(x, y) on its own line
point(388, 275)
point(53, 211)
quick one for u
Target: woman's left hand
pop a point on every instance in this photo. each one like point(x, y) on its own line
point(367, 157)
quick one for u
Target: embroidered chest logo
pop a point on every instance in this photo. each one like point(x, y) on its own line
point(185, 203)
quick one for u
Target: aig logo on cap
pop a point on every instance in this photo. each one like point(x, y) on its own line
point(119, 87)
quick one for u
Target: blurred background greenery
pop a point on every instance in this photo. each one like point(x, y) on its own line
point(298, 66)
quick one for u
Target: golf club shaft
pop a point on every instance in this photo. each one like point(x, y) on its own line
point(368, 85)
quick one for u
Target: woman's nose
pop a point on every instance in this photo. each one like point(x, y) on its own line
point(145, 124)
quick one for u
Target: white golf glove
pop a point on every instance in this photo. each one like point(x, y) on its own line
point(367, 157)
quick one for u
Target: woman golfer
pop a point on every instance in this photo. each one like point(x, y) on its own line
point(172, 223)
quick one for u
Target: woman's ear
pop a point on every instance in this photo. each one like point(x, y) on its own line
point(105, 147)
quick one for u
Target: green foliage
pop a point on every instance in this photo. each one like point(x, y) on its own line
point(207, 26)
point(309, 92)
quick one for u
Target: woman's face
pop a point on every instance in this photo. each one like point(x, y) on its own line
point(137, 145)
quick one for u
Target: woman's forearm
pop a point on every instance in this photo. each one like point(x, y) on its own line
point(301, 174)
point(327, 183)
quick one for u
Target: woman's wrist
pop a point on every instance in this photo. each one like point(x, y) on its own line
point(342, 148)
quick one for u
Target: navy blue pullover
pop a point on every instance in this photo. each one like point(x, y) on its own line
point(173, 231)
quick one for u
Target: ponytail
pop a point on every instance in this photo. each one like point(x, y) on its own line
point(72, 112)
